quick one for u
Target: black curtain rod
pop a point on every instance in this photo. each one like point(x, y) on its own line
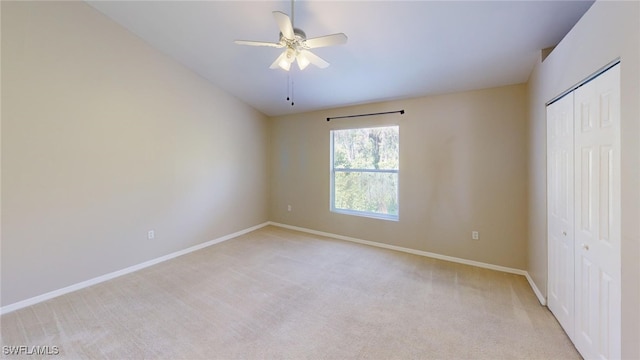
point(351, 116)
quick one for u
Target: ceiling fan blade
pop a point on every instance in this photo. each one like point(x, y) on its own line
point(329, 40)
point(314, 59)
point(258, 43)
point(284, 23)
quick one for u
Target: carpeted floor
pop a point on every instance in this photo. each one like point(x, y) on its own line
point(280, 294)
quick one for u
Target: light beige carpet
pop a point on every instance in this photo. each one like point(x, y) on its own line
point(280, 294)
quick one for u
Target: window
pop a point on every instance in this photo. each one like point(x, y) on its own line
point(364, 172)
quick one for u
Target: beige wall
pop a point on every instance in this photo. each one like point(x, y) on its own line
point(104, 138)
point(462, 168)
point(607, 31)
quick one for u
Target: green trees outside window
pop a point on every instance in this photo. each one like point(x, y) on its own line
point(364, 170)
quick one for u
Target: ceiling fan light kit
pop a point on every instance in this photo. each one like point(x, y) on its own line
point(296, 45)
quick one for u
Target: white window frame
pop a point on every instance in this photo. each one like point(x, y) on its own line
point(333, 171)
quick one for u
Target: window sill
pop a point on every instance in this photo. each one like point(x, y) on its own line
point(366, 214)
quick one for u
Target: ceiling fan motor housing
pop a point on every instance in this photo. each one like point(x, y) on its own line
point(297, 43)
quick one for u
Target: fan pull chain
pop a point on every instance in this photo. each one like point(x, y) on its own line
point(290, 89)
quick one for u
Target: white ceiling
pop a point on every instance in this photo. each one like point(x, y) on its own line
point(396, 49)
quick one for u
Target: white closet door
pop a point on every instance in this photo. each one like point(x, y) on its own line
point(597, 216)
point(560, 211)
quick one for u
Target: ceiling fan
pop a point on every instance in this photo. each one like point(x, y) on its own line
point(296, 45)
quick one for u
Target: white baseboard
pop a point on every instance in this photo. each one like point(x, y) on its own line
point(541, 298)
point(537, 292)
point(115, 274)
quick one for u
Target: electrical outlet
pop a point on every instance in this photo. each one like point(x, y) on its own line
point(151, 234)
point(288, 207)
point(475, 235)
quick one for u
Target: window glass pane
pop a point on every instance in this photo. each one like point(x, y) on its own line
point(368, 192)
point(369, 148)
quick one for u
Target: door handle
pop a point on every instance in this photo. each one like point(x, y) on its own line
point(564, 233)
point(585, 246)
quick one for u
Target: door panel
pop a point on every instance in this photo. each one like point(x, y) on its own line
point(597, 214)
point(586, 189)
point(560, 215)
